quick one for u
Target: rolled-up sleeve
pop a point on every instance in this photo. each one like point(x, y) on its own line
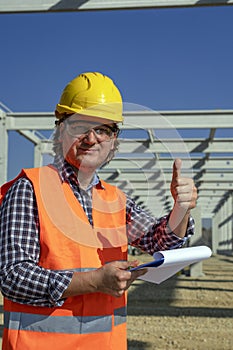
point(152, 234)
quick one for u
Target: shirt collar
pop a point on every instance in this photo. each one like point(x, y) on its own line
point(67, 173)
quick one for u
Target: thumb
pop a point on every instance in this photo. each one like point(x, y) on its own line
point(176, 169)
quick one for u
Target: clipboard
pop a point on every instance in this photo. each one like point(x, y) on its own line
point(166, 263)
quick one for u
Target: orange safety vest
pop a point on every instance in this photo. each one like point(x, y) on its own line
point(69, 242)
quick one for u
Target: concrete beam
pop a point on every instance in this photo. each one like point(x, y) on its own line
point(24, 6)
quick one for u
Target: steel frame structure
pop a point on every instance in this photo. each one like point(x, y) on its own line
point(149, 143)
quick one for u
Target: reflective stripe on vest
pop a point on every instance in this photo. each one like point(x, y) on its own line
point(120, 316)
point(63, 324)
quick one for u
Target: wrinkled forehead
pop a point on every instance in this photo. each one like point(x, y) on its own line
point(85, 119)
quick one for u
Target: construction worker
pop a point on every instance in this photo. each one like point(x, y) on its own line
point(65, 232)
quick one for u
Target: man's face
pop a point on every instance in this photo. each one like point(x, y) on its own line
point(86, 141)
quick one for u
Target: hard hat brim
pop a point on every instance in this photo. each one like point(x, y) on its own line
point(109, 111)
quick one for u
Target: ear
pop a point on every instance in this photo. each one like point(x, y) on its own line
point(61, 129)
point(113, 145)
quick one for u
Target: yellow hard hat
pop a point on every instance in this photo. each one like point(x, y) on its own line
point(92, 94)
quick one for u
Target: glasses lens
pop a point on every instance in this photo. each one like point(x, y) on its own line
point(77, 129)
point(103, 133)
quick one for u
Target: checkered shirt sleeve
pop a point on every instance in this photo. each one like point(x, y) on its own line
point(152, 234)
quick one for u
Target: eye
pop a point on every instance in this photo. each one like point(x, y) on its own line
point(76, 128)
point(79, 128)
point(103, 131)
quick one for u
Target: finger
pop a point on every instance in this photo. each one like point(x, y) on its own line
point(185, 185)
point(123, 265)
point(138, 273)
point(176, 169)
point(119, 293)
point(126, 265)
point(132, 264)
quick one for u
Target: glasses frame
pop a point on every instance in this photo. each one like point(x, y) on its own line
point(113, 129)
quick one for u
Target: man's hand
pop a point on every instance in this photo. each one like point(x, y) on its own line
point(114, 278)
point(184, 194)
point(183, 189)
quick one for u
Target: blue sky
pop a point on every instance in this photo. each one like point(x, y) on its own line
point(164, 59)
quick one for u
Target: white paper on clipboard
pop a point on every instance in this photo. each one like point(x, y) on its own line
point(172, 261)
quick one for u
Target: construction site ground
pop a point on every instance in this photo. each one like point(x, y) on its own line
point(184, 313)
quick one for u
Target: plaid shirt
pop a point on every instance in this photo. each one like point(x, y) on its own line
point(22, 280)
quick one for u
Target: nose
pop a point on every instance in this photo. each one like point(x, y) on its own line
point(90, 137)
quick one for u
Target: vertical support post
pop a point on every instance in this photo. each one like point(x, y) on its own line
point(196, 269)
point(231, 223)
point(228, 224)
point(224, 226)
point(37, 155)
point(215, 232)
point(3, 147)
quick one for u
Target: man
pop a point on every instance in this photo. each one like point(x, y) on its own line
point(65, 232)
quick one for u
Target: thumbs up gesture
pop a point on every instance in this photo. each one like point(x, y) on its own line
point(184, 194)
point(183, 189)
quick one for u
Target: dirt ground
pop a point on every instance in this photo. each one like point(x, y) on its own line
point(183, 313)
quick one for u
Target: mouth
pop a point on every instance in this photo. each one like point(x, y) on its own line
point(82, 150)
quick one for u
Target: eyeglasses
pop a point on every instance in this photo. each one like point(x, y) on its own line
point(77, 129)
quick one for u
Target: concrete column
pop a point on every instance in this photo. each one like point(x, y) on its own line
point(232, 222)
point(215, 232)
point(228, 223)
point(196, 269)
point(221, 228)
point(3, 148)
point(225, 226)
